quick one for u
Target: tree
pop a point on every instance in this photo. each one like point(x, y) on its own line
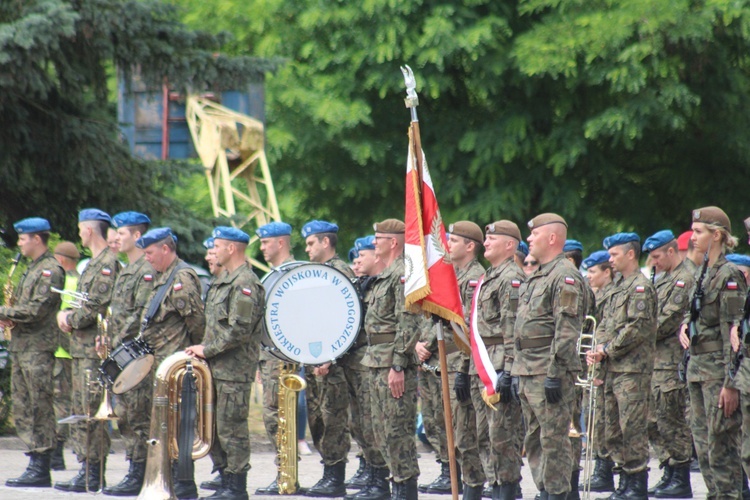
point(60, 147)
point(618, 115)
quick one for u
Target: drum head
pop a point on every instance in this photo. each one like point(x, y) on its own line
point(313, 313)
point(133, 373)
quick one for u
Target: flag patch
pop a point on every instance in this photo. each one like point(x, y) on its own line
point(403, 279)
point(46, 273)
point(473, 283)
point(106, 271)
point(569, 280)
point(680, 284)
point(517, 283)
point(247, 291)
point(177, 287)
point(731, 285)
point(148, 277)
point(640, 289)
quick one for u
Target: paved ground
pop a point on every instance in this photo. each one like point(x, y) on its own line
point(13, 462)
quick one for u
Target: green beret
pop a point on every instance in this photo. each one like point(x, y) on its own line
point(544, 219)
point(467, 229)
point(390, 226)
point(505, 227)
point(712, 215)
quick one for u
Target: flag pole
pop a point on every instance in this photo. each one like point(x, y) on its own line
point(412, 101)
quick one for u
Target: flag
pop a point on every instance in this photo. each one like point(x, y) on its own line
point(482, 361)
point(430, 280)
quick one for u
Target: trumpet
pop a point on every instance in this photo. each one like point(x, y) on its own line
point(587, 342)
point(75, 299)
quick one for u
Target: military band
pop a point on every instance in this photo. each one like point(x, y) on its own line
point(685, 314)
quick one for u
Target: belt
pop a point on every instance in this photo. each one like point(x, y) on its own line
point(492, 340)
point(381, 338)
point(706, 347)
point(536, 342)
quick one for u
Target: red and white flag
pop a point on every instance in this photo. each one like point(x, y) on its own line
point(430, 279)
point(482, 360)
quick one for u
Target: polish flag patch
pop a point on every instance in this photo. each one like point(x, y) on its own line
point(640, 289)
point(148, 277)
point(46, 273)
point(517, 283)
point(569, 280)
point(177, 287)
point(680, 284)
point(403, 279)
point(731, 285)
point(473, 283)
point(106, 271)
point(247, 291)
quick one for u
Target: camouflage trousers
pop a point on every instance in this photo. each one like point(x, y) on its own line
point(90, 439)
point(717, 441)
point(269, 378)
point(357, 376)
point(394, 422)
point(371, 452)
point(433, 416)
point(745, 447)
point(576, 442)
point(626, 397)
point(313, 397)
point(506, 438)
point(134, 411)
point(597, 427)
point(668, 429)
point(482, 429)
point(547, 445)
point(334, 441)
point(62, 387)
point(465, 427)
point(33, 410)
point(231, 447)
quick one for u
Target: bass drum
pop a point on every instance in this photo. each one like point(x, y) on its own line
point(313, 313)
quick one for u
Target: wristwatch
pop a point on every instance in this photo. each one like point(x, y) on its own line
point(397, 368)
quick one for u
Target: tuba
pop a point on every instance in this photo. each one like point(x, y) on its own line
point(290, 384)
point(165, 418)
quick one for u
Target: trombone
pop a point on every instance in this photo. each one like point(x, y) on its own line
point(587, 342)
point(75, 299)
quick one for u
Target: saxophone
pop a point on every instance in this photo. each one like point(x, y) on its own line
point(290, 384)
point(8, 294)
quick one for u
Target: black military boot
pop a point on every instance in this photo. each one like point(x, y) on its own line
point(441, 485)
point(504, 491)
point(573, 493)
point(332, 482)
point(622, 486)
point(666, 478)
point(271, 489)
point(36, 474)
point(235, 487)
point(215, 483)
point(78, 483)
point(679, 485)
point(132, 482)
point(57, 461)
point(602, 479)
point(472, 492)
point(360, 478)
point(184, 489)
point(406, 490)
point(377, 489)
point(519, 492)
point(637, 486)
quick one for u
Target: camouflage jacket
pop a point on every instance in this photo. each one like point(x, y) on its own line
point(386, 314)
point(71, 284)
point(672, 290)
point(631, 326)
point(497, 304)
point(550, 309)
point(234, 315)
point(602, 298)
point(98, 281)
point(180, 320)
point(468, 279)
point(132, 288)
point(35, 306)
point(723, 304)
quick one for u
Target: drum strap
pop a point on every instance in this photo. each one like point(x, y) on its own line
point(155, 304)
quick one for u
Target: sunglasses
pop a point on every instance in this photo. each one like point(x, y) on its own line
point(528, 263)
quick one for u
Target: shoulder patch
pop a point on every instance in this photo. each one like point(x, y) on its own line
point(177, 287)
point(46, 273)
point(148, 277)
point(640, 289)
point(473, 283)
point(570, 281)
point(640, 304)
point(516, 283)
point(731, 285)
point(680, 284)
point(247, 291)
point(106, 271)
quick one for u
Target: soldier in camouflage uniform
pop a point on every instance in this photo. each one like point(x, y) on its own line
point(97, 281)
point(668, 429)
point(67, 256)
point(333, 380)
point(180, 321)
point(713, 397)
point(391, 335)
point(600, 277)
point(742, 379)
point(34, 339)
point(548, 322)
point(132, 288)
point(629, 355)
point(465, 245)
point(234, 312)
point(496, 303)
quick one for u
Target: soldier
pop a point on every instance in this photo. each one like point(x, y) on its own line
point(391, 335)
point(521, 253)
point(547, 326)
point(179, 321)
point(713, 397)
point(328, 384)
point(67, 256)
point(668, 430)
point(97, 281)
point(132, 288)
point(465, 245)
point(743, 264)
point(742, 379)
point(34, 339)
point(232, 345)
point(496, 303)
point(631, 326)
point(376, 471)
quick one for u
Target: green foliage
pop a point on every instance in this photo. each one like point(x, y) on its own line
point(619, 115)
